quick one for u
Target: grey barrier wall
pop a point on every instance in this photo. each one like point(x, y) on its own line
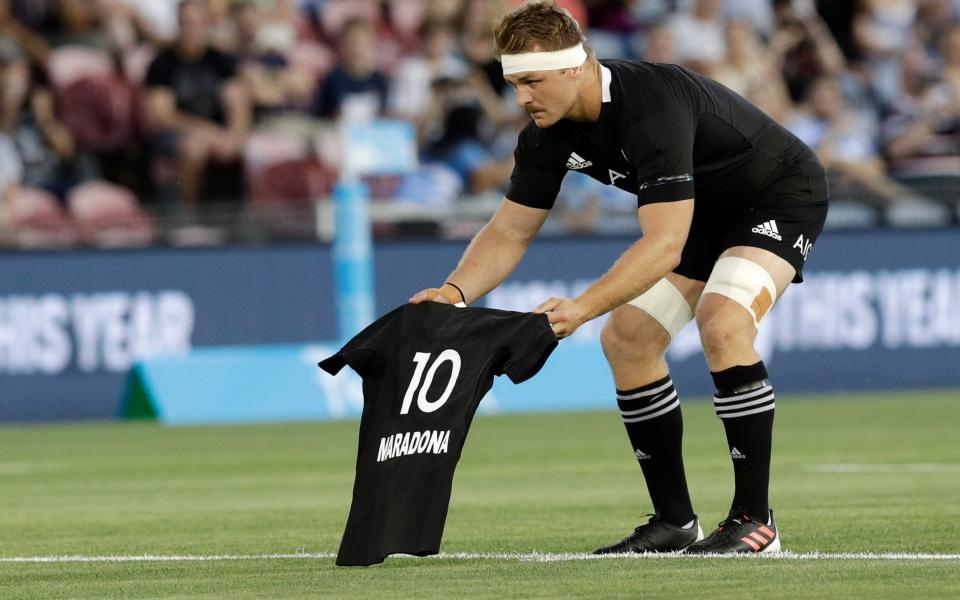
point(879, 309)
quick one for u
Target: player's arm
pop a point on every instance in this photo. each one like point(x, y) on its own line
point(665, 226)
point(492, 254)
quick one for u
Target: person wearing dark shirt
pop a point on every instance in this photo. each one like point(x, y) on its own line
point(356, 88)
point(729, 204)
point(196, 111)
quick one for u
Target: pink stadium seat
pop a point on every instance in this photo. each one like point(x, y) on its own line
point(265, 149)
point(109, 215)
point(99, 111)
point(38, 221)
point(295, 182)
point(71, 63)
point(282, 196)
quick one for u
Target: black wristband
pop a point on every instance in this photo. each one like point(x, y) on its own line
point(463, 298)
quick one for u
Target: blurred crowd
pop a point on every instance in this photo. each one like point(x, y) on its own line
point(117, 116)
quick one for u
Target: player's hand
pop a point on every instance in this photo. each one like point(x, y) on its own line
point(565, 315)
point(442, 295)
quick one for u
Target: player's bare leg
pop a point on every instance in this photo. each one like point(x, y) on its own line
point(745, 400)
point(634, 342)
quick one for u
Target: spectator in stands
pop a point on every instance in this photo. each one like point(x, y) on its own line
point(759, 15)
point(411, 96)
point(356, 88)
point(44, 147)
point(274, 84)
point(128, 22)
point(804, 47)
point(461, 145)
point(699, 35)
point(845, 142)
point(22, 35)
point(476, 44)
point(922, 129)
point(746, 67)
point(442, 10)
point(659, 45)
point(612, 27)
point(196, 109)
point(882, 29)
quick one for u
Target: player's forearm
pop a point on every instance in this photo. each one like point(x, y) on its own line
point(488, 260)
point(641, 266)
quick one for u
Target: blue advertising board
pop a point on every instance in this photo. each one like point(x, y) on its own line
point(878, 310)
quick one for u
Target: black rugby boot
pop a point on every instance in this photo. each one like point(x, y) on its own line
point(655, 536)
point(740, 534)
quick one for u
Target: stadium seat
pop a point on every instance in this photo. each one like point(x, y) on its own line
point(99, 111)
point(282, 196)
point(109, 215)
point(918, 212)
point(850, 214)
point(265, 148)
point(73, 62)
point(37, 220)
point(296, 183)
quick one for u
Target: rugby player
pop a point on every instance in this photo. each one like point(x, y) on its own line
point(730, 205)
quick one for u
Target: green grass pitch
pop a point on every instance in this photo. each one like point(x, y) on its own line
point(867, 473)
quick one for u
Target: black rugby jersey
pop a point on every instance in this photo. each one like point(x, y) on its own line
point(664, 133)
point(425, 367)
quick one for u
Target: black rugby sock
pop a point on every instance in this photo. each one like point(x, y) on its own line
point(745, 403)
point(651, 414)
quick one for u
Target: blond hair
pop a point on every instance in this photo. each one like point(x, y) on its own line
point(536, 23)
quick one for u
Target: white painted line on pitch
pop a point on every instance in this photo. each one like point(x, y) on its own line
point(887, 468)
point(508, 556)
point(162, 558)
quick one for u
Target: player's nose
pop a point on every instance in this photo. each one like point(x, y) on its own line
point(524, 98)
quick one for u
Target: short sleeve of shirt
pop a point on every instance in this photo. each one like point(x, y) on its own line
point(363, 352)
point(661, 148)
point(225, 65)
point(537, 175)
point(530, 349)
point(159, 72)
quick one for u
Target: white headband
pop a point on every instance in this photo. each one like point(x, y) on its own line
point(574, 56)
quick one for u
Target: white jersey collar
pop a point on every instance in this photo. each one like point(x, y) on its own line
point(605, 83)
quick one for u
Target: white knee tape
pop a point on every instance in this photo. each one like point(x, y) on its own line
point(666, 304)
point(746, 283)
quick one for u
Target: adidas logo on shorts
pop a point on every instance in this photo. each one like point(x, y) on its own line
point(577, 162)
point(769, 229)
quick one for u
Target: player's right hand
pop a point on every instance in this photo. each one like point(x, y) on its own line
point(442, 295)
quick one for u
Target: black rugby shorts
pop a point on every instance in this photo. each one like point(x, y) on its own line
point(786, 218)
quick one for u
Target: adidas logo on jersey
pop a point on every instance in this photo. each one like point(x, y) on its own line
point(641, 455)
point(736, 454)
point(768, 229)
point(577, 162)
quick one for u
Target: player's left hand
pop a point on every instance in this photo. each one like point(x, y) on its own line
point(565, 315)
